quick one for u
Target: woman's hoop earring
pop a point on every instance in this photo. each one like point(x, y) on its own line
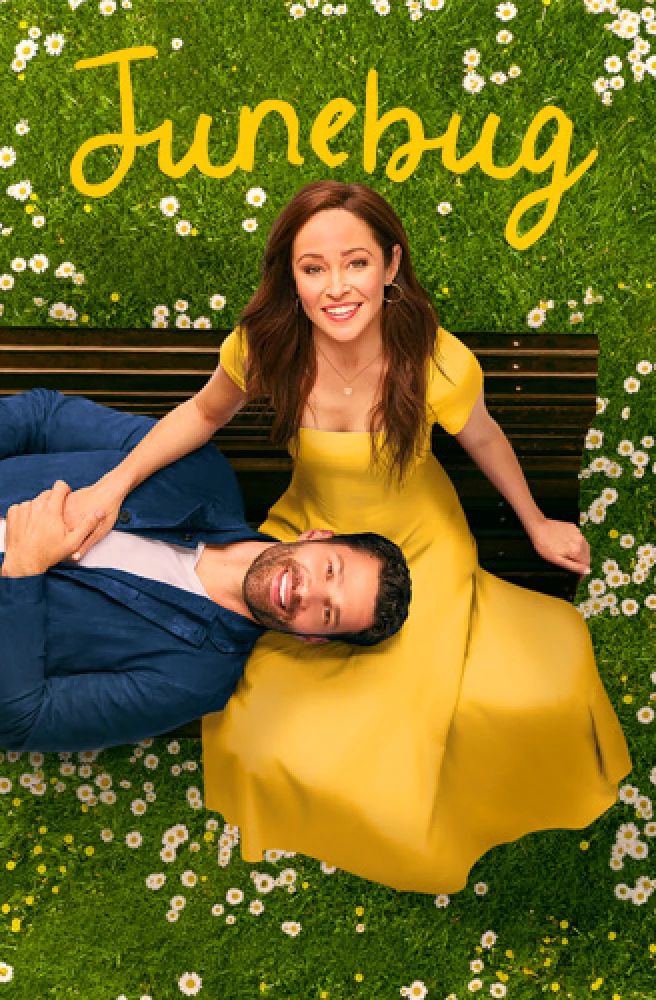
point(398, 297)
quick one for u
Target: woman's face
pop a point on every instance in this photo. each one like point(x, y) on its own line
point(340, 274)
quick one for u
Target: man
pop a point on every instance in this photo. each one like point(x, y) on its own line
point(135, 638)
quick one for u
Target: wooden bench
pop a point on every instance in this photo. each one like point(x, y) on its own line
point(541, 388)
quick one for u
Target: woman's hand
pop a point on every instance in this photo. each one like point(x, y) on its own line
point(562, 543)
point(37, 536)
point(100, 501)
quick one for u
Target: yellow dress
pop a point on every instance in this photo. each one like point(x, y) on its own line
point(482, 720)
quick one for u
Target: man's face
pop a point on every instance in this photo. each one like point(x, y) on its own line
point(313, 588)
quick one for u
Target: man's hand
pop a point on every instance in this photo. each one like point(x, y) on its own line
point(99, 501)
point(37, 536)
point(562, 543)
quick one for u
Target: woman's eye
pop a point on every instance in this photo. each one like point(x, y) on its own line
point(326, 616)
point(361, 261)
point(329, 572)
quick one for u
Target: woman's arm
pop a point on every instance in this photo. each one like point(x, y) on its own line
point(560, 542)
point(189, 426)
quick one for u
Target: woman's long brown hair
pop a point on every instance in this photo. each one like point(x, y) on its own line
point(281, 357)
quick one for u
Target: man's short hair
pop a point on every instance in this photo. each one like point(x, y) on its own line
point(394, 587)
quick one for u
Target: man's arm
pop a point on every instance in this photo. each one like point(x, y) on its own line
point(42, 421)
point(83, 711)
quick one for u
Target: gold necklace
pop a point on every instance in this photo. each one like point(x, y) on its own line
point(348, 387)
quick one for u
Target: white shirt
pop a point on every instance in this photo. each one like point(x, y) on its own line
point(152, 558)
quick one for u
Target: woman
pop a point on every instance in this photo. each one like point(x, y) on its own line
point(484, 718)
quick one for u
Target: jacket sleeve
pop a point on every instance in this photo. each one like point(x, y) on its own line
point(81, 711)
point(42, 421)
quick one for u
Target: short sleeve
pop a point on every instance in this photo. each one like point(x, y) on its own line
point(232, 355)
point(450, 403)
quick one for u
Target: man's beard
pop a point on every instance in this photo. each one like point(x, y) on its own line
point(256, 589)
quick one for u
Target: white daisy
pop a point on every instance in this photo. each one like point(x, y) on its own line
point(155, 881)
point(26, 49)
point(169, 205)
point(6, 972)
point(7, 156)
point(39, 263)
point(54, 44)
point(536, 317)
point(190, 983)
point(506, 11)
point(256, 196)
point(488, 939)
point(264, 882)
point(473, 83)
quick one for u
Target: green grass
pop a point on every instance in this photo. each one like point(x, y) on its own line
point(104, 933)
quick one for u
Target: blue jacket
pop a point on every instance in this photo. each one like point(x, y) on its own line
point(98, 657)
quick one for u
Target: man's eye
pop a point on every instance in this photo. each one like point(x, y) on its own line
point(326, 616)
point(360, 261)
point(330, 572)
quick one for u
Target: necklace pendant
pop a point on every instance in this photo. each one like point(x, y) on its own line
point(348, 391)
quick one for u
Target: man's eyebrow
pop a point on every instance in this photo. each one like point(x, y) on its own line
point(343, 253)
point(338, 615)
